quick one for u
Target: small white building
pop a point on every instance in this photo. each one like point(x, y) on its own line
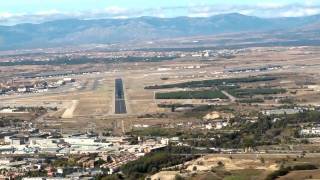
point(310, 131)
point(164, 141)
point(209, 126)
point(7, 110)
point(221, 124)
point(281, 111)
point(22, 90)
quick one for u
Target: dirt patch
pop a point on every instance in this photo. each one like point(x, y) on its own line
point(165, 175)
point(68, 113)
point(208, 162)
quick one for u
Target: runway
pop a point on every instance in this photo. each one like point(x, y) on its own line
point(120, 104)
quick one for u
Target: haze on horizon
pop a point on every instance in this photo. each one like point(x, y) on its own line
point(37, 11)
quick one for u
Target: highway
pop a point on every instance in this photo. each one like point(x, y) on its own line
point(120, 104)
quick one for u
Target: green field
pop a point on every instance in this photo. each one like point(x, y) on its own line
point(206, 94)
point(251, 100)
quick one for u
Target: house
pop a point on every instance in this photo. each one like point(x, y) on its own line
point(208, 126)
point(88, 164)
point(220, 124)
point(22, 89)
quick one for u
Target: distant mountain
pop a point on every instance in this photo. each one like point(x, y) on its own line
point(72, 32)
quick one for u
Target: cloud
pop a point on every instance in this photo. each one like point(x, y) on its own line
point(50, 15)
point(5, 15)
point(262, 9)
point(300, 12)
point(310, 2)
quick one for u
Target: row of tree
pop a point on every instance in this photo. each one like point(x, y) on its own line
point(214, 82)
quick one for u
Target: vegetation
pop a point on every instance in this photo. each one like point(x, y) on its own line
point(109, 177)
point(152, 163)
point(265, 131)
point(206, 94)
point(85, 60)
point(212, 83)
point(157, 115)
point(40, 173)
point(251, 100)
point(174, 105)
point(70, 162)
point(208, 108)
point(287, 101)
point(186, 150)
point(244, 174)
point(157, 132)
point(303, 117)
point(285, 170)
point(8, 121)
point(241, 93)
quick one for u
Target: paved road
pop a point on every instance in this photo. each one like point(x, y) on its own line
point(120, 104)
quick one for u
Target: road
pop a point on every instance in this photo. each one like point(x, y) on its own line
point(232, 98)
point(120, 104)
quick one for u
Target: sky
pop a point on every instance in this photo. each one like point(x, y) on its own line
point(37, 11)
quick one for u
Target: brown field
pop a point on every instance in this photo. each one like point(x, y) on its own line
point(96, 104)
point(242, 167)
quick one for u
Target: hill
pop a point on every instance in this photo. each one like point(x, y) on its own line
point(71, 32)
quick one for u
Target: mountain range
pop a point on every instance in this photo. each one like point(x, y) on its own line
point(75, 32)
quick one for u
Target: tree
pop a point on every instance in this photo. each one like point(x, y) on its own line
point(178, 177)
point(194, 168)
point(220, 164)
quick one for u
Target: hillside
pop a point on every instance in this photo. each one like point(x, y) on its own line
point(104, 31)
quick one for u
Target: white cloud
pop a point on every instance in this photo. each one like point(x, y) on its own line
point(5, 15)
point(310, 2)
point(263, 9)
point(121, 17)
point(301, 12)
